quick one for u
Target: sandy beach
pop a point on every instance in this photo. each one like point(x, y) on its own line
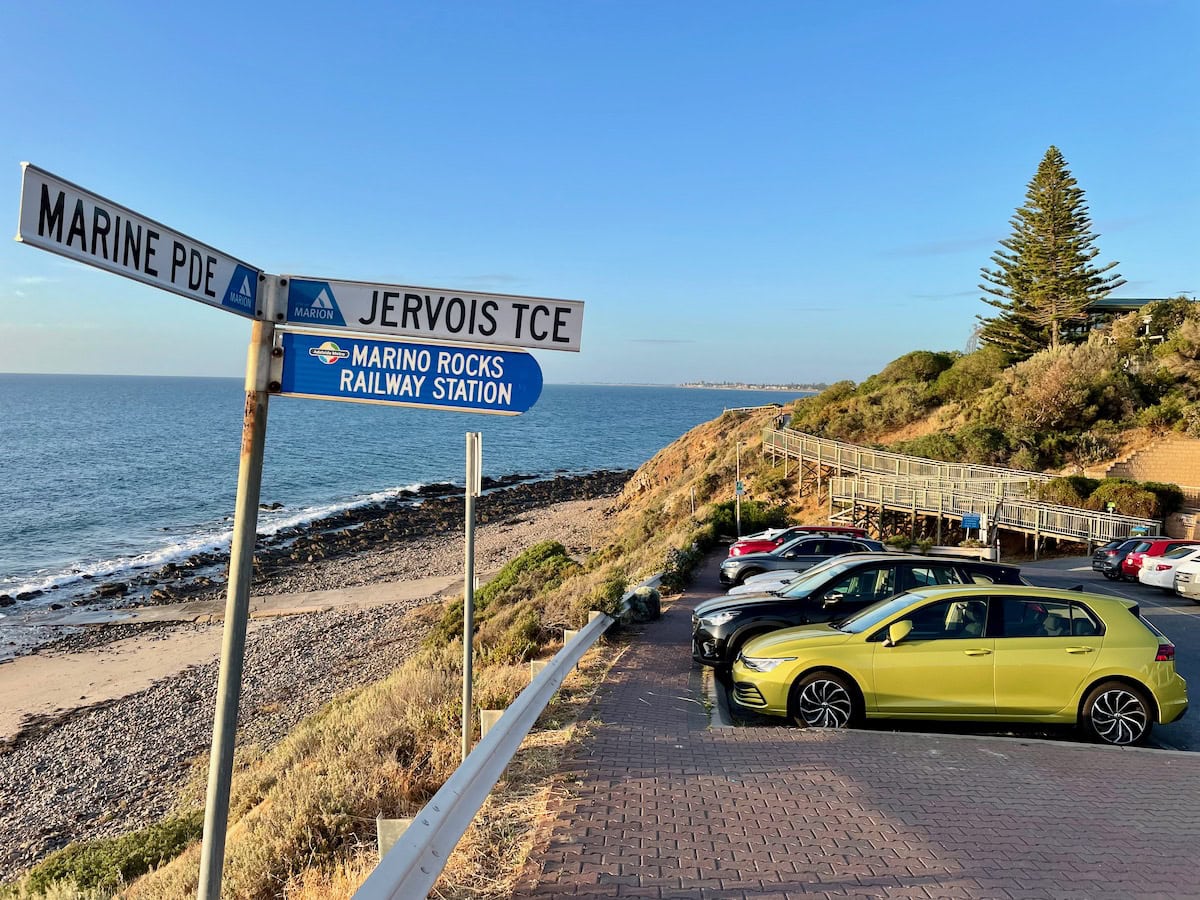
point(99, 729)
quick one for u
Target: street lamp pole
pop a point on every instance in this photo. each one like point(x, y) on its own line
point(737, 491)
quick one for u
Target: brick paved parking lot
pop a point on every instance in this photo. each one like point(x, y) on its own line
point(663, 805)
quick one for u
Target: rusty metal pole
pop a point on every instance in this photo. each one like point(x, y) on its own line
point(237, 611)
point(474, 478)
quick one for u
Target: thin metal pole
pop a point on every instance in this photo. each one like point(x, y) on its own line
point(737, 490)
point(237, 611)
point(474, 451)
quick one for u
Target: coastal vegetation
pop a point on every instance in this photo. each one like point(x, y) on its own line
point(1071, 405)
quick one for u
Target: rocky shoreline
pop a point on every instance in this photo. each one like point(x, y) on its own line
point(107, 768)
point(293, 559)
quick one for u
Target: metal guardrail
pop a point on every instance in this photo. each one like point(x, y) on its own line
point(414, 863)
point(1032, 516)
point(863, 460)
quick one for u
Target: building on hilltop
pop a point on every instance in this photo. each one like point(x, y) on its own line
point(1101, 312)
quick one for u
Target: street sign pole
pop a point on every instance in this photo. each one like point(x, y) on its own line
point(237, 610)
point(474, 484)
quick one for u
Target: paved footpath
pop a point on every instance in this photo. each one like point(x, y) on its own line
point(663, 805)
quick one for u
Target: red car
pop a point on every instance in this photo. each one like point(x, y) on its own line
point(766, 545)
point(1132, 562)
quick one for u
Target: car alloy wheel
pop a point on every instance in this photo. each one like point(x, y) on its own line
point(1116, 714)
point(824, 700)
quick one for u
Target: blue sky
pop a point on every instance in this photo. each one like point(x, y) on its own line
point(792, 191)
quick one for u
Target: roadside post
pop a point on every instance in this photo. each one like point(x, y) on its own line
point(473, 490)
point(737, 491)
point(237, 612)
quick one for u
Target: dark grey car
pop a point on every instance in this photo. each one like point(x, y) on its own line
point(799, 554)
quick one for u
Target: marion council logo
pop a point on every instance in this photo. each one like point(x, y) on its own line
point(328, 353)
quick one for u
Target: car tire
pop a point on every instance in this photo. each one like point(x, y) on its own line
point(1110, 576)
point(742, 576)
point(825, 700)
point(1117, 713)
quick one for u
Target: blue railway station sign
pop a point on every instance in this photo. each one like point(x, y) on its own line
point(423, 375)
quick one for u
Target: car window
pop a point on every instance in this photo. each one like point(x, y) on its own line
point(1181, 546)
point(927, 575)
point(868, 618)
point(866, 585)
point(1181, 551)
point(841, 546)
point(1046, 617)
point(805, 582)
point(1141, 547)
point(949, 619)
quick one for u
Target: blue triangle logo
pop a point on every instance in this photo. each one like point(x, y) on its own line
point(242, 293)
point(313, 303)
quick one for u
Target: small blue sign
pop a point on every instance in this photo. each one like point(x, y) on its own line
point(970, 520)
point(430, 376)
point(313, 303)
point(242, 293)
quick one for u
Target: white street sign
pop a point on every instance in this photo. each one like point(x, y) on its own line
point(435, 313)
point(63, 218)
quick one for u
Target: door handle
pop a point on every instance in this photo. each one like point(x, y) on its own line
point(1079, 649)
point(978, 651)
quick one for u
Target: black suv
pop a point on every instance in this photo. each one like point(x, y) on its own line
point(834, 590)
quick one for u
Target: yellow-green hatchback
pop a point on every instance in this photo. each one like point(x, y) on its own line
point(972, 653)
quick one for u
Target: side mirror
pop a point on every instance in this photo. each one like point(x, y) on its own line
point(833, 598)
point(897, 632)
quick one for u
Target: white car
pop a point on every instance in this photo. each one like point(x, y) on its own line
point(764, 582)
point(1187, 580)
point(1159, 571)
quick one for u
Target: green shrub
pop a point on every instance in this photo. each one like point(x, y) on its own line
point(1063, 492)
point(542, 567)
point(1170, 497)
point(920, 365)
point(983, 444)
point(607, 597)
point(106, 863)
point(932, 446)
point(755, 517)
point(970, 374)
point(1129, 498)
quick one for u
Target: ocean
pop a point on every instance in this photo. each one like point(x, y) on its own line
point(107, 475)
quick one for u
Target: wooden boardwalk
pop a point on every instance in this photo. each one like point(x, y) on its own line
point(863, 484)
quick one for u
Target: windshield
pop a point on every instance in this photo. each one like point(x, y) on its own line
point(809, 579)
point(875, 613)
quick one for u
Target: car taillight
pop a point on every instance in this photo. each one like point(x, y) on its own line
point(1166, 653)
point(1162, 567)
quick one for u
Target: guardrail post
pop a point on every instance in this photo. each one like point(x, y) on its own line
point(487, 720)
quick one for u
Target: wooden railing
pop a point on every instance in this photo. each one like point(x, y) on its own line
point(930, 486)
point(1007, 511)
point(863, 460)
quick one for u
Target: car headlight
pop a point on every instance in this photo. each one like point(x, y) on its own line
point(729, 563)
point(719, 619)
point(761, 664)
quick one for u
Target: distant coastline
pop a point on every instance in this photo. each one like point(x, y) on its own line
point(746, 386)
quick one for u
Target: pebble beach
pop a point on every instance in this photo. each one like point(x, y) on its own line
point(97, 765)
